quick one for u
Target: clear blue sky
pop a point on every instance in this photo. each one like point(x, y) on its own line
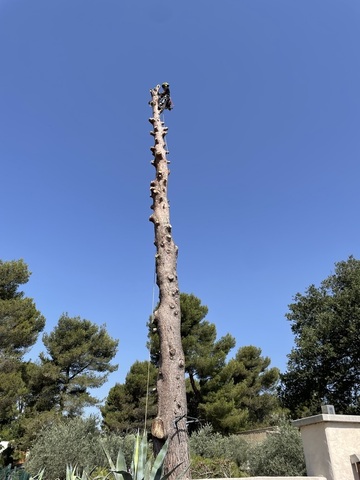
point(264, 148)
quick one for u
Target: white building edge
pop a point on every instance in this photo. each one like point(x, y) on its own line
point(331, 445)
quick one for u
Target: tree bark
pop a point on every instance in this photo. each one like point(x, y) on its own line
point(170, 422)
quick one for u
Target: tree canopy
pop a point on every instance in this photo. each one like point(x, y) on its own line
point(231, 395)
point(78, 357)
point(20, 321)
point(243, 394)
point(127, 405)
point(204, 355)
point(20, 325)
point(324, 365)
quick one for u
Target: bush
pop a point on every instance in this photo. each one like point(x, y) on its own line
point(280, 454)
point(113, 443)
point(214, 468)
point(208, 444)
point(75, 442)
point(212, 454)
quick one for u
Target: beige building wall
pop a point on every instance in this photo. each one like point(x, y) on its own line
point(330, 443)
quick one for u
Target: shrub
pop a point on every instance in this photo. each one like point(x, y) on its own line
point(207, 443)
point(114, 443)
point(75, 442)
point(214, 468)
point(280, 454)
point(212, 454)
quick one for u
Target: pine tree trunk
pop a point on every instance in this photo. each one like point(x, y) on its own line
point(172, 408)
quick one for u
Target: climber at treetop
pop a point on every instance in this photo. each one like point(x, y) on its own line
point(165, 99)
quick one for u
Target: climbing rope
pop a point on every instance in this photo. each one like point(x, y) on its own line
point(165, 139)
point(149, 360)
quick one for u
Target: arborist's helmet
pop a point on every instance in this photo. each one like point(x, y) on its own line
point(165, 85)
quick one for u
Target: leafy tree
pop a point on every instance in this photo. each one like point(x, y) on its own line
point(128, 403)
point(20, 325)
point(78, 357)
point(324, 365)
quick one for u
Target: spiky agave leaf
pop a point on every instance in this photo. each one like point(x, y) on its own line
point(125, 475)
point(142, 458)
point(85, 475)
point(147, 470)
point(141, 468)
point(120, 461)
point(71, 473)
point(120, 466)
point(156, 471)
point(39, 475)
point(135, 458)
point(173, 470)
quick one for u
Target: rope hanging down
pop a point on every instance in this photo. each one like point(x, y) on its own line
point(149, 360)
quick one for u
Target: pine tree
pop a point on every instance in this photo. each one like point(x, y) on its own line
point(170, 422)
point(233, 395)
point(127, 405)
point(78, 358)
point(205, 356)
point(243, 394)
point(20, 325)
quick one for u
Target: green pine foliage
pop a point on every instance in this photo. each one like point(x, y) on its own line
point(20, 321)
point(20, 325)
point(231, 395)
point(243, 394)
point(78, 358)
point(126, 404)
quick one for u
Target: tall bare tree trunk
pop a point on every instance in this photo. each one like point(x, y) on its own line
point(172, 408)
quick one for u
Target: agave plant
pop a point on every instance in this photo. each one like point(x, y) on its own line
point(141, 467)
point(72, 473)
point(39, 475)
